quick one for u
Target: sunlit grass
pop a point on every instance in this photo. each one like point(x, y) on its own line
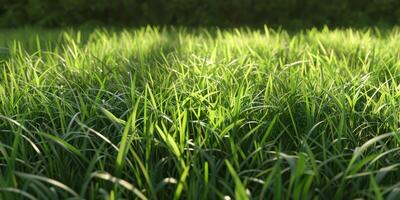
point(176, 113)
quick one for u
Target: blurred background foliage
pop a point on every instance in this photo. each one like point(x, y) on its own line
point(51, 13)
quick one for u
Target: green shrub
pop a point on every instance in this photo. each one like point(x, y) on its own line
point(199, 12)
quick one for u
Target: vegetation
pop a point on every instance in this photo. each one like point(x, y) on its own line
point(298, 13)
point(155, 113)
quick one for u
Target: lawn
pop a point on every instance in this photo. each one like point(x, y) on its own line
point(179, 113)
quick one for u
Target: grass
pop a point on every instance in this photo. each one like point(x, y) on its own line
point(154, 113)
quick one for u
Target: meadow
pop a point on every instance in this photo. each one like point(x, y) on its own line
point(205, 113)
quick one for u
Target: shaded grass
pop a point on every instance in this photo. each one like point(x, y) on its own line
point(172, 113)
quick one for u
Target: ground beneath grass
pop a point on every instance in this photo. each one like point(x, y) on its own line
point(154, 113)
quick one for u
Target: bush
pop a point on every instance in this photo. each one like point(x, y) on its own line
point(199, 12)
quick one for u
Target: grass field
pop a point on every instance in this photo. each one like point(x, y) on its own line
point(175, 113)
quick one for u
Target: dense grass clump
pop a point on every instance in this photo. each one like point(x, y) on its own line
point(199, 114)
